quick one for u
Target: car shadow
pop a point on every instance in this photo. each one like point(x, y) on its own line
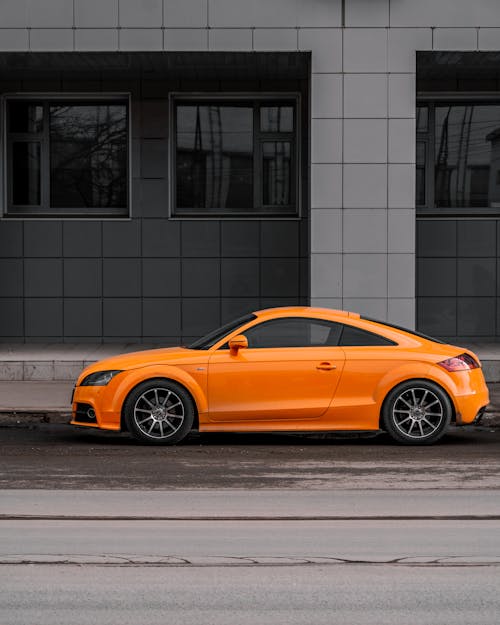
point(466, 436)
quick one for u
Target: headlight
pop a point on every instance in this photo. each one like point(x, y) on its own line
point(100, 378)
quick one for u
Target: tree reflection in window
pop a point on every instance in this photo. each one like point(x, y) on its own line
point(458, 157)
point(235, 157)
point(88, 156)
point(214, 157)
point(67, 157)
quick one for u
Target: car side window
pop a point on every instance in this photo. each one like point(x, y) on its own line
point(355, 337)
point(294, 332)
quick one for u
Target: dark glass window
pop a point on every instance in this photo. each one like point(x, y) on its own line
point(420, 180)
point(294, 332)
point(26, 173)
point(276, 118)
point(458, 157)
point(88, 156)
point(214, 161)
point(26, 117)
point(236, 157)
point(67, 157)
point(355, 337)
point(277, 174)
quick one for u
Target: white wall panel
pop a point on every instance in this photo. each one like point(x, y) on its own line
point(447, 13)
point(402, 140)
point(275, 39)
point(230, 39)
point(185, 13)
point(326, 275)
point(326, 186)
point(365, 230)
point(365, 95)
point(50, 13)
point(185, 39)
point(365, 141)
point(402, 95)
point(365, 186)
point(326, 47)
point(275, 13)
point(455, 39)
point(326, 141)
point(96, 13)
point(326, 95)
point(51, 39)
point(367, 13)
point(326, 230)
point(96, 39)
point(365, 275)
point(365, 50)
point(14, 39)
point(402, 46)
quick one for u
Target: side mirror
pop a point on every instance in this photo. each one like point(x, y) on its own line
point(238, 342)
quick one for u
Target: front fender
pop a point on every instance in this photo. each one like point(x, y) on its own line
point(132, 378)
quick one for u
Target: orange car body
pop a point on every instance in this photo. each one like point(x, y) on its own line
point(288, 389)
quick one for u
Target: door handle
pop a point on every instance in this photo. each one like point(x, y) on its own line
point(326, 366)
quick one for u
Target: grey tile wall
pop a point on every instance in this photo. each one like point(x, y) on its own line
point(362, 86)
point(149, 278)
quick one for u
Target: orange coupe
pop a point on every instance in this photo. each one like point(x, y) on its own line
point(287, 369)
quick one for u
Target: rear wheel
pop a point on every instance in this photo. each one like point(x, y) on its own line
point(159, 412)
point(416, 413)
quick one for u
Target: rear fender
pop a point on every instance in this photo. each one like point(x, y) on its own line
point(428, 372)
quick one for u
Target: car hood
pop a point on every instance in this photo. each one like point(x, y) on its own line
point(135, 360)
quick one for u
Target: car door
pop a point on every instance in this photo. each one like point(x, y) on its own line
point(290, 370)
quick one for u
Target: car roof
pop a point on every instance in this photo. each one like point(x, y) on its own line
point(398, 334)
point(305, 310)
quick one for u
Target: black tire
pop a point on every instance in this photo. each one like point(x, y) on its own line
point(416, 412)
point(159, 412)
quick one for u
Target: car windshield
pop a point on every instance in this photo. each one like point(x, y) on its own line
point(392, 325)
point(210, 339)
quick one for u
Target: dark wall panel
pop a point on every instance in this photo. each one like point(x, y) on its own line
point(458, 280)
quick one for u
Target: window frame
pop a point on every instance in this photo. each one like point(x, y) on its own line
point(429, 210)
point(259, 137)
point(49, 213)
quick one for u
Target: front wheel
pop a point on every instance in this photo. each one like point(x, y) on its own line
point(416, 413)
point(159, 412)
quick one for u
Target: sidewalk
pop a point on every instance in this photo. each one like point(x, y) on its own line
point(64, 361)
point(29, 402)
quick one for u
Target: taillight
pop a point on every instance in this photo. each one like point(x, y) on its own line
point(459, 363)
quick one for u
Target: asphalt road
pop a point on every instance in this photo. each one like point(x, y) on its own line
point(63, 457)
point(299, 531)
point(247, 572)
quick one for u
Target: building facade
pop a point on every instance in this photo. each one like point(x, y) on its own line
point(168, 165)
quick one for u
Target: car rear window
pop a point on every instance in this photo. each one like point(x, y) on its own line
point(355, 337)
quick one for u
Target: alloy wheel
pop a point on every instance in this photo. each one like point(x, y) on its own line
point(159, 413)
point(418, 413)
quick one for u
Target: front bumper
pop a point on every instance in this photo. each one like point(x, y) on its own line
point(92, 406)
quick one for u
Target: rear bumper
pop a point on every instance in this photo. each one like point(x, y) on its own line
point(471, 404)
point(479, 416)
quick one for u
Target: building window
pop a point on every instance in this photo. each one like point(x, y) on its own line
point(235, 157)
point(458, 158)
point(67, 157)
